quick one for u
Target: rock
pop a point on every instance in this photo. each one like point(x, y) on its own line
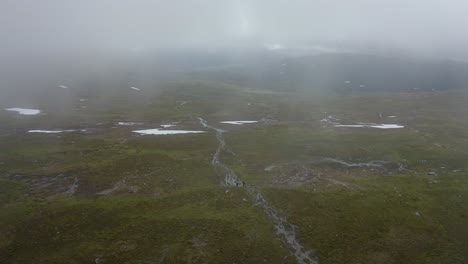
point(133, 189)
point(126, 246)
point(431, 173)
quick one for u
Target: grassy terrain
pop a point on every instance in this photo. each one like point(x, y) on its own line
point(397, 219)
point(193, 226)
point(109, 195)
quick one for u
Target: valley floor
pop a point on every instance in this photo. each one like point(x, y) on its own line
point(210, 173)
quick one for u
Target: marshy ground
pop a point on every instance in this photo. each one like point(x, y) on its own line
point(97, 192)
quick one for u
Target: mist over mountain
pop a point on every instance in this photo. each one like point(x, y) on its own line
point(431, 28)
point(380, 45)
point(299, 70)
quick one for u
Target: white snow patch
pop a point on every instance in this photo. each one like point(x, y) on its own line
point(350, 126)
point(270, 168)
point(24, 111)
point(167, 126)
point(158, 131)
point(129, 123)
point(82, 100)
point(134, 88)
point(238, 122)
point(391, 116)
point(63, 86)
point(388, 126)
point(330, 120)
point(347, 82)
point(50, 131)
point(381, 126)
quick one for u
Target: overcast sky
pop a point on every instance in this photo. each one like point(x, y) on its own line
point(427, 25)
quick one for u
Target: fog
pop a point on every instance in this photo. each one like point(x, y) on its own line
point(123, 43)
point(428, 27)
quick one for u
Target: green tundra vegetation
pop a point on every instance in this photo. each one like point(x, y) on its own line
point(104, 194)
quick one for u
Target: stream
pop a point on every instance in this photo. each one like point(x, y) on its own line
point(285, 230)
point(230, 177)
